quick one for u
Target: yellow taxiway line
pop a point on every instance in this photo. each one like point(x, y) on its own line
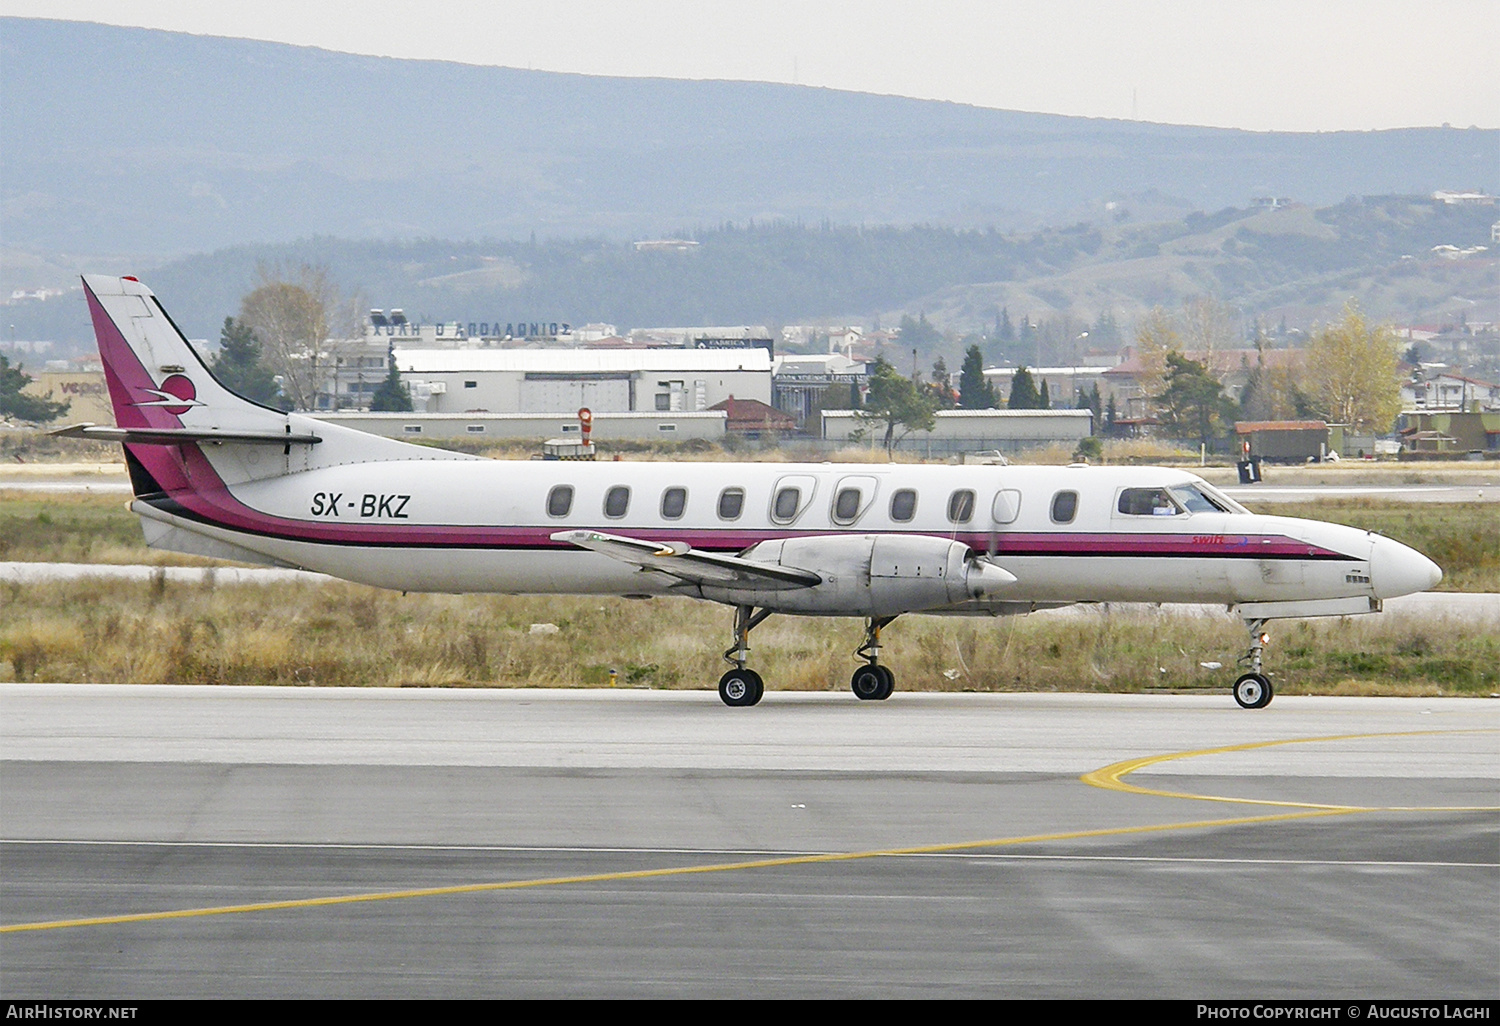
point(1109, 777)
point(1112, 777)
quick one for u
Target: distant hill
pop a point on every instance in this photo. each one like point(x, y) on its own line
point(134, 141)
point(1297, 262)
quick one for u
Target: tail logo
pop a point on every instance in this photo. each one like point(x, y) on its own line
point(176, 395)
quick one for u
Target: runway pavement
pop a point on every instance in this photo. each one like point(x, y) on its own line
point(202, 841)
point(1252, 494)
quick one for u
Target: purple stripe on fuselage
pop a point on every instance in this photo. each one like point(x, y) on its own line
point(215, 504)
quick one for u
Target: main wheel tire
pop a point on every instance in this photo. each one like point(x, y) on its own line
point(889, 684)
point(1253, 691)
point(741, 687)
point(869, 684)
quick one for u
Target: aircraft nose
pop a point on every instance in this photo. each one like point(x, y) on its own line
point(1396, 569)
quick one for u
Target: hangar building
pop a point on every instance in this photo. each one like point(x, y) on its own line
point(562, 380)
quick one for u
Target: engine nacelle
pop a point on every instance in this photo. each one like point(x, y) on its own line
point(868, 575)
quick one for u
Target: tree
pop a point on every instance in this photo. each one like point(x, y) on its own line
point(1044, 401)
point(940, 389)
point(1106, 331)
point(1023, 393)
point(302, 319)
point(1095, 402)
point(1193, 404)
point(392, 396)
point(918, 333)
point(975, 392)
point(18, 404)
point(1352, 373)
point(1155, 336)
point(238, 365)
point(1004, 330)
point(896, 401)
point(1273, 393)
point(1208, 327)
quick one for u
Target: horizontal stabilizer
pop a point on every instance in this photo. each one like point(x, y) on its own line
point(682, 561)
point(183, 436)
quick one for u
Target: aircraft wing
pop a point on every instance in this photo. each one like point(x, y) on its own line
point(682, 561)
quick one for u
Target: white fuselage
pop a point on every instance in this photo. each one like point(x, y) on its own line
point(485, 526)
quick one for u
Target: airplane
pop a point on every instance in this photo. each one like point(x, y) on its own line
point(215, 474)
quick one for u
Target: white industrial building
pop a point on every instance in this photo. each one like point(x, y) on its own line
point(971, 430)
point(562, 381)
point(480, 427)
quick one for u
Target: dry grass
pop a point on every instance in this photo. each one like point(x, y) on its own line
point(342, 634)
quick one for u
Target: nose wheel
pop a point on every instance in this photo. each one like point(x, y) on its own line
point(1253, 690)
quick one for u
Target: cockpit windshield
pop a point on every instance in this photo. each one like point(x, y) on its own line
point(1200, 498)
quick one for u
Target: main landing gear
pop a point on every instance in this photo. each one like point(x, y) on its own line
point(872, 682)
point(741, 685)
point(1253, 690)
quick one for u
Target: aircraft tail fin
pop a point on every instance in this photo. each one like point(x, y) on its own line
point(157, 381)
point(168, 404)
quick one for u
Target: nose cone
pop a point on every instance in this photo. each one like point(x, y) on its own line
point(1396, 570)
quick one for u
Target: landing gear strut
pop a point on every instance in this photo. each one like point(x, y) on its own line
point(1253, 690)
point(742, 686)
point(872, 682)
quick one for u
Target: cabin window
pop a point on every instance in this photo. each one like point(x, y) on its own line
point(471, 384)
point(616, 502)
point(1064, 507)
point(788, 500)
point(903, 506)
point(412, 429)
point(475, 429)
point(673, 502)
point(1146, 502)
point(846, 505)
point(731, 503)
point(1007, 506)
point(961, 506)
point(560, 501)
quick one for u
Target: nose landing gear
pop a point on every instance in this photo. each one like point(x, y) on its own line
point(1253, 690)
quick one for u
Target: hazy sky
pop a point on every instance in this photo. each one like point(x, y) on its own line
point(1303, 65)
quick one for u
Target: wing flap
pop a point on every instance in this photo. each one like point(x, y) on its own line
point(686, 563)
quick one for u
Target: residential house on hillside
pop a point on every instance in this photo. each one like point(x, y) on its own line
point(1450, 392)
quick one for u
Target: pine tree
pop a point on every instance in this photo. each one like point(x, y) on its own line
point(1023, 393)
point(238, 366)
point(974, 390)
point(1045, 402)
point(392, 396)
point(20, 405)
